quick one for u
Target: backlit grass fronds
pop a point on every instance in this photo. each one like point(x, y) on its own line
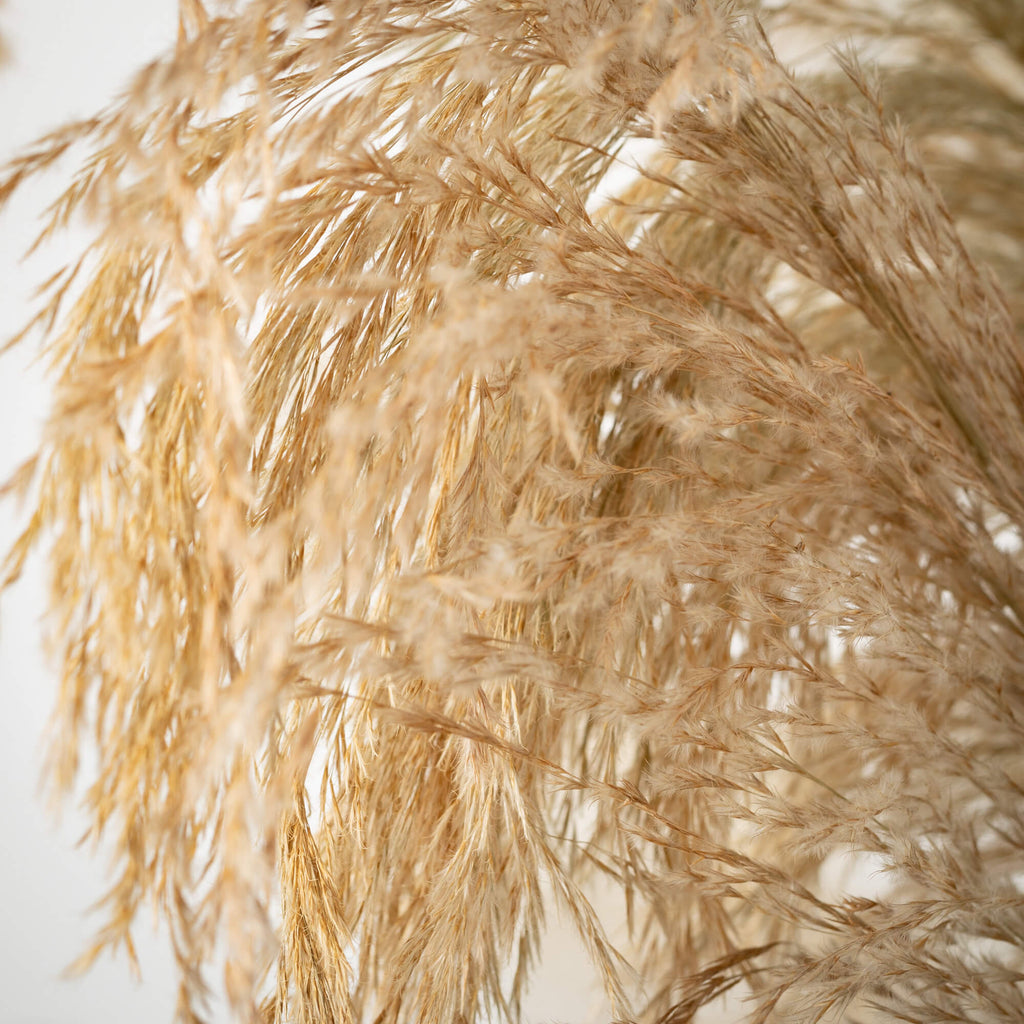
point(510, 451)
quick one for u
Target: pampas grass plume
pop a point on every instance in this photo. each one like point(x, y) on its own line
point(505, 453)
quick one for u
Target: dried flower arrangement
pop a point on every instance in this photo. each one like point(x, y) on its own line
point(505, 450)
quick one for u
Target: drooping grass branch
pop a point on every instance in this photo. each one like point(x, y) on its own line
point(503, 453)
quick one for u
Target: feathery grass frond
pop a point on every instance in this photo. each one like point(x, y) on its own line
point(503, 450)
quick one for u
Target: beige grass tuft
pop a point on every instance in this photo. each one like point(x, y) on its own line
point(441, 515)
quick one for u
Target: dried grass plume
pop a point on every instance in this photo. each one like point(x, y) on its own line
point(505, 451)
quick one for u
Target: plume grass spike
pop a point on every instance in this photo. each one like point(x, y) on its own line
point(504, 453)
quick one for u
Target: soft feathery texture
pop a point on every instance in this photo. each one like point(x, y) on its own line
point(504, 451)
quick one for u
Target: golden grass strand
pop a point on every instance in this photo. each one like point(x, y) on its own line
point(505, 452)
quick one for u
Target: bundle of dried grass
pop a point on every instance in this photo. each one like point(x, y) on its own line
point(444, 519)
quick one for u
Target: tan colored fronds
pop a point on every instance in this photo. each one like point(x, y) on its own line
point(507, 449)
